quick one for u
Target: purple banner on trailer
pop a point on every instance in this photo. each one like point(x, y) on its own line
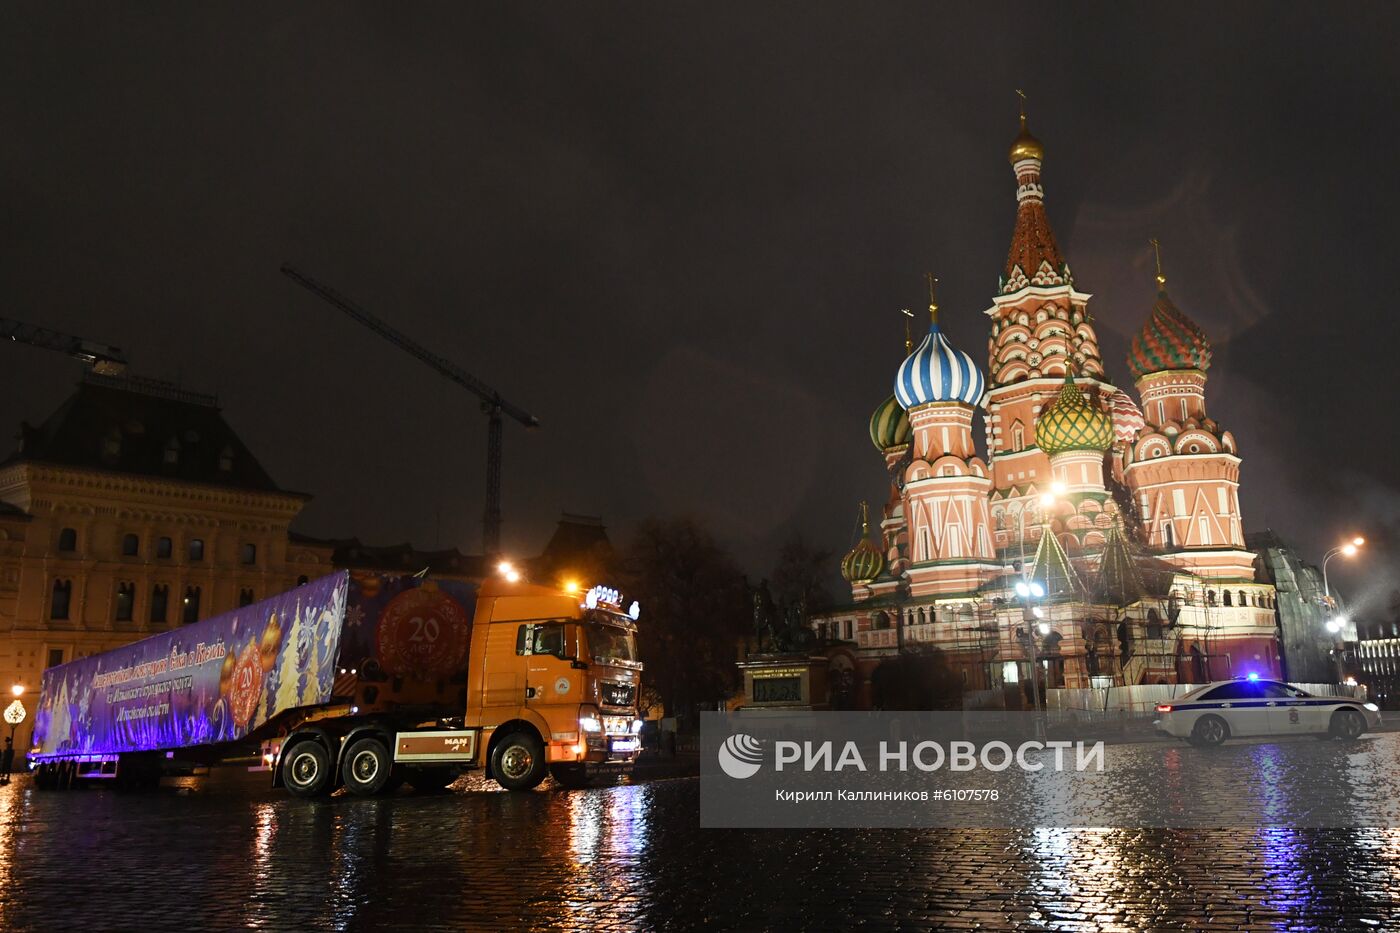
point(214, 681)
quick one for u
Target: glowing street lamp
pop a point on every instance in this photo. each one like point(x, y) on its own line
point(17, 690)
point(1348, 549)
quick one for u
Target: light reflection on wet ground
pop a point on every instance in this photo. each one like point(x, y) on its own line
point(633, 857)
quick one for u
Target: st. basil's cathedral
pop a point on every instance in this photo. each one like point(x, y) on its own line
point(1101, 535)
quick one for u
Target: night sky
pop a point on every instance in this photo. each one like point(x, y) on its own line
point(681, 234)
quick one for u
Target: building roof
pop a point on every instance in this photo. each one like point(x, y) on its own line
point(145, 427)
point(579, 541)
point(1034, 257)
point(1169, 340)
point(353, 554)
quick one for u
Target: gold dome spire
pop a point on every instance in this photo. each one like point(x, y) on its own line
point(1025, 146)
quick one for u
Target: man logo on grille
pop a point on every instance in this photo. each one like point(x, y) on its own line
point(740, 756)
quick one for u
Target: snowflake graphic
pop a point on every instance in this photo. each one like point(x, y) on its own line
point(354, 616)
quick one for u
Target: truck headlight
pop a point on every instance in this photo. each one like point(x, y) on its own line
point(590, 724)
point(636, 726)
point(1372, 707)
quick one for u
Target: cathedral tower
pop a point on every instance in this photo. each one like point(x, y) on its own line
point(1183, 469)
point(1041, 330)
point(946, 484)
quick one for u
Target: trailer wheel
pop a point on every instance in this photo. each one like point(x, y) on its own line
point(518, 762)
point(307, 770)
point(367, 768)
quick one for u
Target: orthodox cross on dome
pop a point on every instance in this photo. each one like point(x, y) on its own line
point(1022, 94)
point(908, 337)
point(932, 297)
point(1157, 254)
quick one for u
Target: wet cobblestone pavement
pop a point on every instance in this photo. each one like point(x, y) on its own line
point(633, 857)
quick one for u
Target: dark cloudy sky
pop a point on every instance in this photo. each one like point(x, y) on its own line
point(680, 234)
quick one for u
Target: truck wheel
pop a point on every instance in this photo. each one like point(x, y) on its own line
point(1347, 725)
point(571, 776)
point(518, 762)
point(307, 769)
point(368, 770)
point(1210, 731)
point(428, 780)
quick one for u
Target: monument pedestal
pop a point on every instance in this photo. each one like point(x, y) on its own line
point(790, 681)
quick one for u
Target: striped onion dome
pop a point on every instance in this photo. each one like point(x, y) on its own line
point(1128, 421)
point(1072, 422)
point(863, 562)
point(1169, 340)
point(935, 372)
point(889, 426)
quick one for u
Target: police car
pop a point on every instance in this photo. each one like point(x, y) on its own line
point(1230, 709)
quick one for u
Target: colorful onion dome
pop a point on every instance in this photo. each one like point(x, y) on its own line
point(889, 426)
point(935, 372)
point(1169, 340)
point(1072, 422)
point(1128, 421)
point(1026, 146)
point(863, 562)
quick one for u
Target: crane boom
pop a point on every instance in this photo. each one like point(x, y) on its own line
point(491, 402)
point(105, 359)
point(445, 367)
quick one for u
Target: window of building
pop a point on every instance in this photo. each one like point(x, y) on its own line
point(1229, 600)
point(1244, 599)
point(62, 595)
point(190, 613)
point(172, 452)
point(68, 540)
point(160, 602)
point(196, 549)
point(226, 459)
point(126, 601)
point(131, 545)
point(245, 597)
point(55, 657)
point(250, 554)
point(164, 547)
point(1018, 436)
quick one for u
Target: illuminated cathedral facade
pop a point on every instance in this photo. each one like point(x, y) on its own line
point(1094, 539)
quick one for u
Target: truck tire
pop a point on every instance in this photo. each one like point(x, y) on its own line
point(431, 780)
point(307, 770)
point(368, 768)
point(518, 761)
point(572, 776)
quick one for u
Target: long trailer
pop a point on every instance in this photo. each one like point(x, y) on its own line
point(361, 680)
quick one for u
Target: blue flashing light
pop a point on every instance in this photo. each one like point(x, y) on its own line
point(1252, 675)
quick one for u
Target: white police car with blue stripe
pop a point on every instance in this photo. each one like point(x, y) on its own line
point(1251, 707)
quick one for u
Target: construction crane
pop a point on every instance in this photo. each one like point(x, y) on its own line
point(104, 359)
point(491, 402)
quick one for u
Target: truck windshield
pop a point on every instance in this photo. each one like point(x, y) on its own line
point(610, 641)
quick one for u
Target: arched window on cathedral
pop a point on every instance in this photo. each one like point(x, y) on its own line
point(1210, 597)
point(1018, 436)
point(1229, 600)
point(1154, 624)
point(1244, 598)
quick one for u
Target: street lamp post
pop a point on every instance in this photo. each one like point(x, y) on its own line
point(1032, 617)
point(1347, 550)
